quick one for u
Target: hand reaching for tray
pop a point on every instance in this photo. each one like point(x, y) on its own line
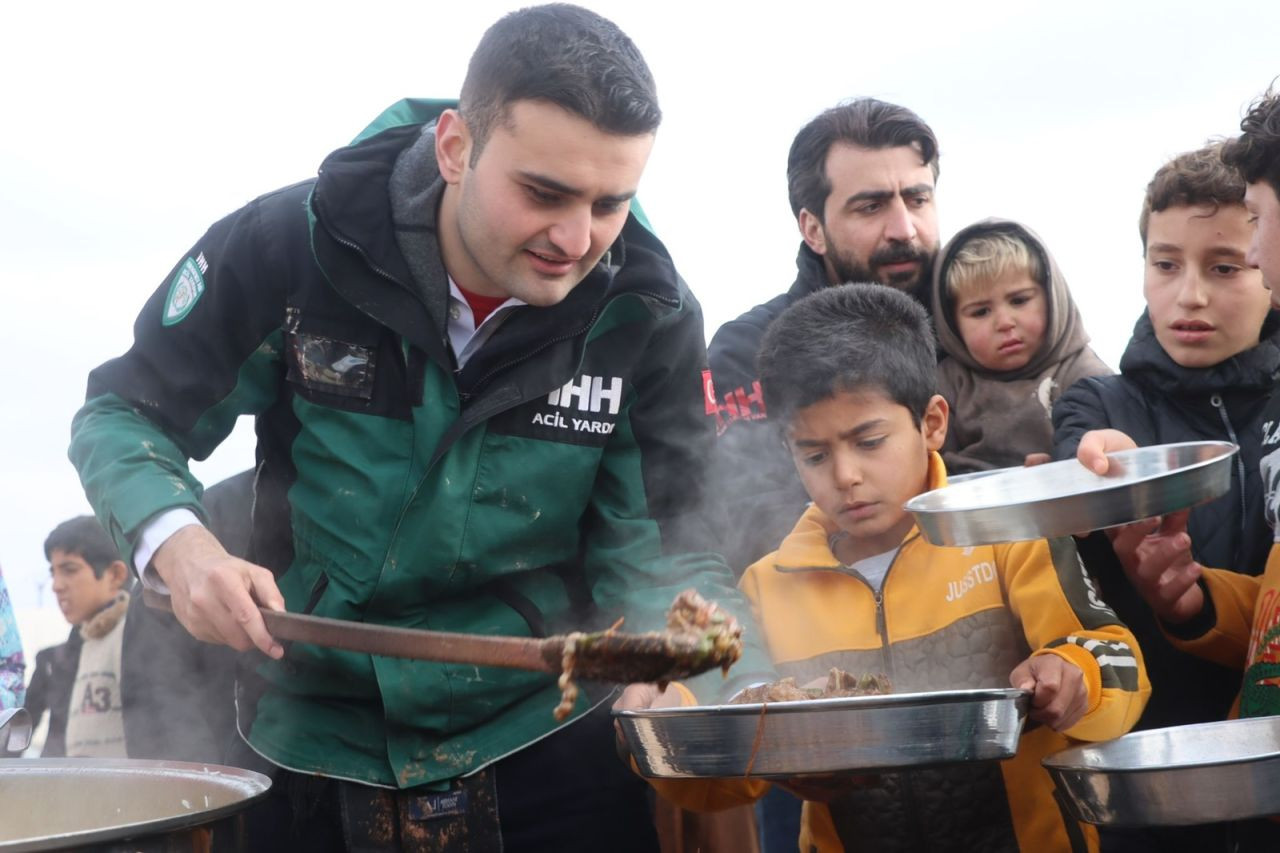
point(1156, 556)
point(1059, 696)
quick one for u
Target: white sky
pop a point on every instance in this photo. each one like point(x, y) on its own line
point(128, 128)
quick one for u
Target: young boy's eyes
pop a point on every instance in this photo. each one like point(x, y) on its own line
point(872, 443)
point(1164, 265)
point(813, 460)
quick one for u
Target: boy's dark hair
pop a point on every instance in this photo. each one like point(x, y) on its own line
point(854, 337)
point(865, 122)
point(84, 537)
point(564, 55)
point(1199, 177)
point(1255, 154)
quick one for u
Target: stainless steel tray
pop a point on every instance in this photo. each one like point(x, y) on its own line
point(1174, 777)
point(788, 739)
point(69, 803)
point(1061, 498)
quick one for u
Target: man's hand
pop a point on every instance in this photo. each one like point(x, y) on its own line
point(215, 595)
point(1097, 443)
point(1156, 556)
point(1034, 459)
point(1059, 695)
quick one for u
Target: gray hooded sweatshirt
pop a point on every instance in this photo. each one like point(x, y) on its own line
point(998, 417)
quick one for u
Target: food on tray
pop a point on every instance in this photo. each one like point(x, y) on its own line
point(839, 684)
point(699, 636)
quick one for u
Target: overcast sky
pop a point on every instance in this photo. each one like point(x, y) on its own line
point(129, 128)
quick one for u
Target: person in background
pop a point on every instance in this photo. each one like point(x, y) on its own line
point(860, 177)
point(80, 682)
point(1227, 615)
point(476, 382)
point(849, 373)
point(1016, 342)
point(11, 660)
point(860, 180)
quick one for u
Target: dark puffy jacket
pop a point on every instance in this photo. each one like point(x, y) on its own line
point(754, 483)
point(1156, 401)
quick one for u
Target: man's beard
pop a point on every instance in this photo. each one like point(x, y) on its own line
point(849, 269)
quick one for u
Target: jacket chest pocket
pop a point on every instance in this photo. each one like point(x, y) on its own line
point(348, 366)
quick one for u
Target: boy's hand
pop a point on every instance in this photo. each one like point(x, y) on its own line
point(1059, 695)
point(824, 787)
point(1034, 459)
point(1097, 443)
point(215, 595)
point(1156, 556)
point(638, 697)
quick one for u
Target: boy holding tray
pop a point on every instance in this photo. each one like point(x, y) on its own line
point(850, 372)
point(1220, 614)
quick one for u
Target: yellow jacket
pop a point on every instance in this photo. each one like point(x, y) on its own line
point(1240, 628)
point(946, 618)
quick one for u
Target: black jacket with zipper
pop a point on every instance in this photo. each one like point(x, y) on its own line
point(1156, 401)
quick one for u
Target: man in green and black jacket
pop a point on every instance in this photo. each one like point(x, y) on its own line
point(476, 378)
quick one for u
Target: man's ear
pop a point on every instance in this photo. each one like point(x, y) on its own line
point(453, 146)
point(933, 426)
point(812, 232)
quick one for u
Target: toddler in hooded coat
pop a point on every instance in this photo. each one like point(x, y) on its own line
point(1015, 343)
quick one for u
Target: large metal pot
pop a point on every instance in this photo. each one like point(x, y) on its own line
point(96, 804)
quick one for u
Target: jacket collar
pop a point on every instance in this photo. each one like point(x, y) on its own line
point(811, 273)
point(808, 547)
point(1253, 370)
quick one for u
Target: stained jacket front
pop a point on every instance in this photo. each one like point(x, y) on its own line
point(946, 618)
point(544, 485)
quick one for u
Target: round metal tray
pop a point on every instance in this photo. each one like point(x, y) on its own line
point(60, 803)
point(1061, 498)
point(789, 739)
point(1176, 776)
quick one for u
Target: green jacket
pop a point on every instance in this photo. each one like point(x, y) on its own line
point(551, 483)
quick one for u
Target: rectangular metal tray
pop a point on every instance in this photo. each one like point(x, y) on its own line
point(1177, 776)
point(788, 739)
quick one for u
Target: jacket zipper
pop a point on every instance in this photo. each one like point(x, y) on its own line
point(586, 327)
point(1216, 401)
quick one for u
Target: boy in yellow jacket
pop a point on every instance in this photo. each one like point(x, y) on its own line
point(850, 372)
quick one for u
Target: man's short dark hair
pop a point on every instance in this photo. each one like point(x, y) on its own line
point(564, 55)
point(1195, 178)
point(83, 537)
point(1255, 154)
point(866, 123)
point(855, 337)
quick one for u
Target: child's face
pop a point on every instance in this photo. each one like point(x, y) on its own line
point(79, 593)
point(861, 458)
point(1264, 250)
point(1003, 325)
point(1204, 300)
